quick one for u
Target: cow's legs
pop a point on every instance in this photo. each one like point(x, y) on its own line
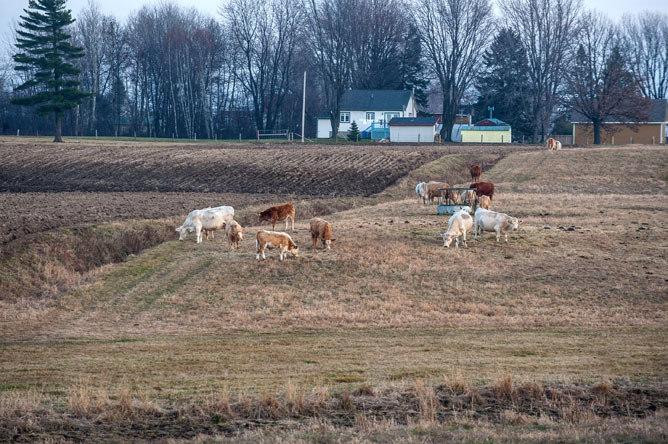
point(464, 240)
point(198, 231)
point(292, 222)
point(498, 233)
point(314, 240)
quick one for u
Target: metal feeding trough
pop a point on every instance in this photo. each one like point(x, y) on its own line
point(451, 200)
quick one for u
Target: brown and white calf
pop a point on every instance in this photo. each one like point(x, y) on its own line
point(279, 212)
point(431, 190)
point(234, 233)
point(274, 239)
point(500, 223)
point(321, 229)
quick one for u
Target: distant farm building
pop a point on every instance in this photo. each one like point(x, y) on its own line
point(371, 109)
point(414, 129)
point(619, 132)
point(487, 131)
point(434, 108)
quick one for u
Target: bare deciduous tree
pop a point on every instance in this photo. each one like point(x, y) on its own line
point(646, 36)
point(330, 26)
point(455, 34)
point(600, 82)
point(547, 29)
point(264, 35)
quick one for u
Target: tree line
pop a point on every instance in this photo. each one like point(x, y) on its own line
point(169, 71)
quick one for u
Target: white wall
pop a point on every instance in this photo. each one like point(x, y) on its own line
point(324, 129)
point(423, 134)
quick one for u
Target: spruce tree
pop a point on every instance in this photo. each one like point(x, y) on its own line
point(354, 134)
point(44, 53)
point(504, 84)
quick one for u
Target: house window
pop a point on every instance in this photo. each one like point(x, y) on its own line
point(389, 116)
point(370, 116)
point(345, 118)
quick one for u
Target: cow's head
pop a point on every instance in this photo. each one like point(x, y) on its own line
point(182, 232)
point(447, 239)
point(513, 223)
point(295, 251)
point(263, 216)
point(328, 243)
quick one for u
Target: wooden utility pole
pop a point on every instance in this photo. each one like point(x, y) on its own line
point(303, 106)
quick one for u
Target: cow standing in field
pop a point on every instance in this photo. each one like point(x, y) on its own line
point(500, 223)
point(485, 202)
point(273, 239)
point(321, 229)
point(476, 172)
point(278, 213)
point(419, 190)
point(483, 189)
point(431, 190)
point(206, 219)
point(553, 144)
point(234, 233)
point(459, 224)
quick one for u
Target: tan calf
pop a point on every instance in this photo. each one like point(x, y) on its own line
point(234, 233)
point(431, 190)
point(321, 229)
point(485, 202)
point(274, 239)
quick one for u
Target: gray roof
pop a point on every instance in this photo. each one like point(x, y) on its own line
point(413, 121)
point(375, 100)
point(657, 111)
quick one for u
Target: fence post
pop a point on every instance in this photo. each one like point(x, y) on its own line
point(96, 134)
point(18, 133)
point(631, 139)
point(418, 137)
point(135, 135)
point(239, 137)
point(613, 140)
point(501, 138)
point(652, 140)
point(481, 138)
point(257, 134)
point(195, 136)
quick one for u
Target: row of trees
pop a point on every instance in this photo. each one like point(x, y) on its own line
point(174, 72)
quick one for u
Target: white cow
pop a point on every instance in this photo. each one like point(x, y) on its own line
point(419, 190)
point(500, 223)
point(208, 219)
point(458, 225)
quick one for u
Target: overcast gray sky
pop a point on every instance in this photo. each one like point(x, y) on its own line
point(11, 9)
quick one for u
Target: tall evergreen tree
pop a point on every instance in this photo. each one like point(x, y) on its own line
point(505, 83)
point(412, 70)
point(45, 53)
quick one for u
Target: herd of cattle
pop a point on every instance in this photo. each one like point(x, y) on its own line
point(461, 222)
point(209, 220)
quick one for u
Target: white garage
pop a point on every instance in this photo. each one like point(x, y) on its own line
point(413, 129)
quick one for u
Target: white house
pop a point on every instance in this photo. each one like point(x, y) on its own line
point(371, 109)
point(413, 129)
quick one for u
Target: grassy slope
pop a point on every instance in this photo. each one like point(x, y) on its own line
point(388, 303)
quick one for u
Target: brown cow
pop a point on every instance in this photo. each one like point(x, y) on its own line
point(476, 171)
point(321, 229)
point(483, 189)
point(280, 212)
point(273, 239)
point(431, 190)
point(553, 144)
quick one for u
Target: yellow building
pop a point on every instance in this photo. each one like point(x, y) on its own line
point(487, 131)
point(618, 132)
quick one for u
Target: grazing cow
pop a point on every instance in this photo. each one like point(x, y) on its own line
point(280, 212)
point(321, 229)
point(500, 223)
point(234, 233)
point(431, 190)
point(553, 144)
point(476, 171)
point(485, 202)
point(483, 189)
point(274, 239)
point(419, 190)
point(458, 225)
point(207, 219)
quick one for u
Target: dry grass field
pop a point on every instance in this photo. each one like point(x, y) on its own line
point(558, 335)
